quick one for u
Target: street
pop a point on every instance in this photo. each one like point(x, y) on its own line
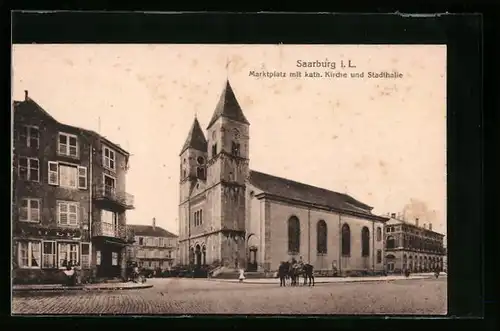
point(201, 296)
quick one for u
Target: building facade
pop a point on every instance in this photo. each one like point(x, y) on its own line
point(69, 198)
point(412, 246)
point(236, 217)
point(154, 247)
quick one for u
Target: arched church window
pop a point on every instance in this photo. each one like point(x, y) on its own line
point(293, 235)
point(390, 242)
point(200, 173)
point(184, 173)
point(346, 240)
point(379, 234)
point(235, 149)
point(214, 150)
point(321, 237)
point(365, 242)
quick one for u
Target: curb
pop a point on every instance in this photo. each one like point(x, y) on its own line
point(80, 288)
point(328, 282)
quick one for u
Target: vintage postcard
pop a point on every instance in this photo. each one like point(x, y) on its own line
point(229, 179)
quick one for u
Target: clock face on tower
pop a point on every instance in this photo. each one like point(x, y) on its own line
point(200, 160)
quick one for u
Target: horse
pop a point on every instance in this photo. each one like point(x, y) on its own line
point(283, 273)
point(306, 270)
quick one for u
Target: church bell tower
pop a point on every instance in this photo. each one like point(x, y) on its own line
point(227, 171)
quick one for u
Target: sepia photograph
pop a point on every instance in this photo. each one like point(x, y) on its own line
point(186, 179)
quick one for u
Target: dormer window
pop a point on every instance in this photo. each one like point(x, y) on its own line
point(67, 145)
point(109, 158)
point(235, 149)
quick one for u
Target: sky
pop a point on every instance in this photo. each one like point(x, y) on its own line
point(383, 141)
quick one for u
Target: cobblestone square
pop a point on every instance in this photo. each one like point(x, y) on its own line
point(201, 296)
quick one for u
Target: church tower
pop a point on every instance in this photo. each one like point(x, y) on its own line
point(227, 171)
point(213, 175)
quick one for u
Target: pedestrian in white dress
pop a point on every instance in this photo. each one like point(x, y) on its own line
point(242, 275)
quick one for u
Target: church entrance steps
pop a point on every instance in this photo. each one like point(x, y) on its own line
point(328, 280)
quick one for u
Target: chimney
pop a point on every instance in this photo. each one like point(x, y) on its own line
point(430, 226)
point(154, 223)
point(25, 95)
point(425, 226)
point(416, 221)
point(393, 215)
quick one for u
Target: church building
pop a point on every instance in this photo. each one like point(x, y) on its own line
point(235, 217)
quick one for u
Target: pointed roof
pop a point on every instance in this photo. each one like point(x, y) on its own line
point(196, 138)
point(228, 107)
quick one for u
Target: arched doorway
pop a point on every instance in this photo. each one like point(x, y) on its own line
point(252, 253)
point(197, 253)
point(204, 255)
point(391, 261)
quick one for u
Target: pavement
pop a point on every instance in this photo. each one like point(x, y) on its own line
point(322, 280)
point(181, 296)
point(86, 287)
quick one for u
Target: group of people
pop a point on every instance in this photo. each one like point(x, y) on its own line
point(134, 273)
point(293, 269)
point(72, 273)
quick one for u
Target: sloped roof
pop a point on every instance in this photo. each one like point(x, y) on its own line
point(30, 102)
point(228, 107)
point(196, 138)
point(150, 231)
point(290, 189)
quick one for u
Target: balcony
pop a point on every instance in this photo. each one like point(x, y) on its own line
point(106, 193)
point(101, 229)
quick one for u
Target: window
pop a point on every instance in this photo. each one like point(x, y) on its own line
point(321, 237)
point(85, 255)
point(68, 253)
point(293, 235)
point(235, 149)
point(30, 210)
point(29, 169)
point(109, 185)
point(30, 136)
point(29, 254)
point(49, 254)
point(390, 242)
point(114, 258)
point(214, 150)
point(379, 234)
point(109, 158)
point(67, 213)
point(68, 145)
point(157, 242)
point(162, 242)
point(365, 242)
point(379, 256)
point(346, 240)
point(98, 257)
point(200, 172)
point(157, 253)
point(141, 241)
point(198, 217)
point(66, 175)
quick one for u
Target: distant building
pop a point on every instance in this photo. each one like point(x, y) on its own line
point(154, 247)
point(69, 200)
point(412, 246)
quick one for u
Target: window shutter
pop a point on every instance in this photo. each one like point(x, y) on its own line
point(82, 178)
point(53, 173)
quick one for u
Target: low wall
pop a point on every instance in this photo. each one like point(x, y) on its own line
point(46, 276)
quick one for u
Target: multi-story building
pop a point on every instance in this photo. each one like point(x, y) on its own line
point(68, 201)
point(412, 246)
point(154, 247)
